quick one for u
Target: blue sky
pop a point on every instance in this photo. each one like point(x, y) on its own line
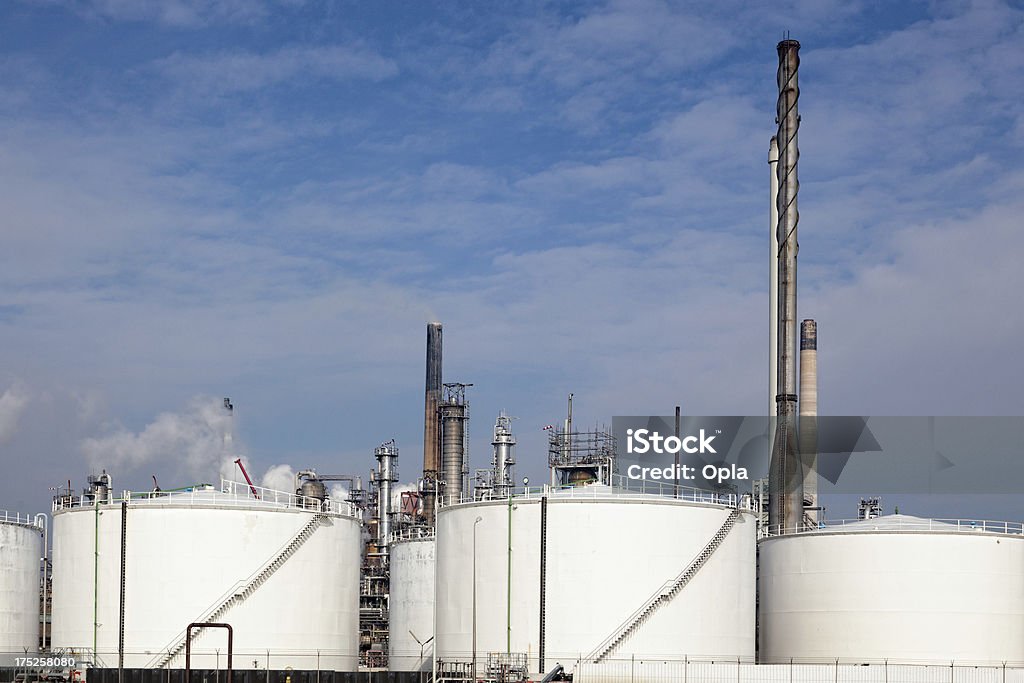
point(268, 200)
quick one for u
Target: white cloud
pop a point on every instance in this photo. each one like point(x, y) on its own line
point(290, 256)
point(174, 13)
point(234, 71)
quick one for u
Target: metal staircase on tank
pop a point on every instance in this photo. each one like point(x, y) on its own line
point(243, 589)
point(665, 593)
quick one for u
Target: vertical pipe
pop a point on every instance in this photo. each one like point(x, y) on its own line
point(508, 582)
point(773, 290)
point(124, 559)
point(785, 472)
point(809, 414)
point(229, 411)
point(230, 652)
point(475, 522)
point(676, 468)
point(42, 521)
point(431, 432)
point(773, 278)
point(96, 579)
point(566, 435)
point(543, 575)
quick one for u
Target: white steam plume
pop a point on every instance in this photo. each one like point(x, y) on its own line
point(12, 405)
point(279, 478)
point(194, 438)
point(396, 495)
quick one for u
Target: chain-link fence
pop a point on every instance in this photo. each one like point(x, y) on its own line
point(690, 671)
point(208, 665)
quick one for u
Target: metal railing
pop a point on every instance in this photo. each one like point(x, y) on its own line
point(231, 494)
point(7, 517)
point(621, 488)
point(411, 534)
point(851, 526)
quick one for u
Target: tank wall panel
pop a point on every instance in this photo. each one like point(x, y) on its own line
point(892, 596)
point(605, 559)
point(21, 548)
point(411, 605)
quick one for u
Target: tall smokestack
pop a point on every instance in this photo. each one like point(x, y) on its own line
point(773, 279)
point(431, 430)
point(809, 414)
point(785, 475)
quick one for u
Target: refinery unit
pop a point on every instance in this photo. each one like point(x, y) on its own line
point(478, 578)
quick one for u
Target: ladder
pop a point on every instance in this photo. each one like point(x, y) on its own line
point(665, 593)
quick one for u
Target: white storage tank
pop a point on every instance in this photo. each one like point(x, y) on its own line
point(21, 550)
point(896, 588)
point(282, 572)
point(610, 552)
point(411, 601)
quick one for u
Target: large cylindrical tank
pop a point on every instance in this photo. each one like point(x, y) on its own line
point(411, 604)
point(21, 549)
point(284, 574)
point(608, 553)
point(896, 588)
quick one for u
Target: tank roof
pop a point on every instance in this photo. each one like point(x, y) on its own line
point(231, 495)
point(898, 523)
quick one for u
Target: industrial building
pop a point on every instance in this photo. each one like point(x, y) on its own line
point(472, 577)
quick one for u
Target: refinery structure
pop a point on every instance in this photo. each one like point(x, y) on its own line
point(475, 575)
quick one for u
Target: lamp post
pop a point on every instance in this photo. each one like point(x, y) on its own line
point(475, 522)
point(422, 644)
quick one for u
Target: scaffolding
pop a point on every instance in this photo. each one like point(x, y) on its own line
point(578, 458)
